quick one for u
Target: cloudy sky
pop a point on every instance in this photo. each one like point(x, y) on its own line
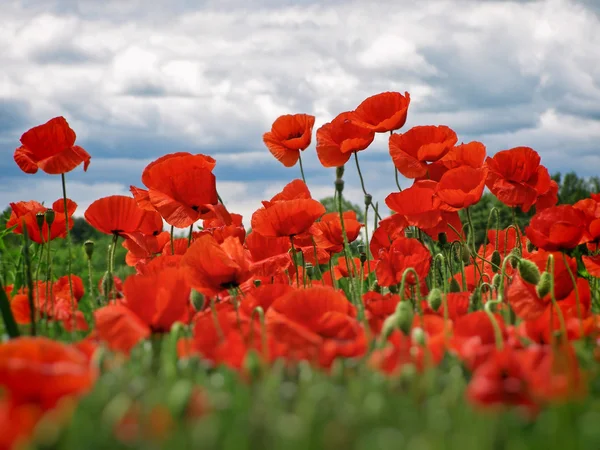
point(139, 79)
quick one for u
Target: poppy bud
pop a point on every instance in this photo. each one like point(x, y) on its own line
point(339, 185)
point(496, 260)
point(530, 246)
point(310, 270)
point(465, 254)
point(529, 271)
point(389, 325)
point(50, 214)
point(405, 315)
point(39, 217)
point(496, 280)
point(475, 300)
point(88, 247)
point(544, 285)
point(418, 336)
point(454, 286)
point(339, 172)
point(516, 254)
point(434, 299)
point(368, 199)
point(197, 300)
point(257, 283)
point(179, 397)
point(442, 239)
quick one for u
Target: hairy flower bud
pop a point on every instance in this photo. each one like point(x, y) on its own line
point(529, 271)
point(544, 284)
point(405, 315)
point(197, 300)
point(496, 260)
point(434, 299)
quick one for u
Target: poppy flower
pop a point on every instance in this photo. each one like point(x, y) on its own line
point(461, 187)
point(152, 304)
point(41, 371)
point(556, 228)
point(223, 225)
point(379, 307)
point(269, 254)
point(181, 187)
point(591, 211)
point(296, 189)
point(352, 268)
point(471, 155)
point(387, 231)
point(289, 134)
point(382, 112)
point(592, 265)
point(328, 233)
point(474, 337)
point(337, 140)
point(418, 204)
point(413, 150)
point(142, 248)
point(404, 253)
point(287, 217)
point(27, 212)
point(17, 423)
point(50, 147)
point(549, 198)
point(516, 177)
point(117, 215)
point(316, 324)
point(211, 267)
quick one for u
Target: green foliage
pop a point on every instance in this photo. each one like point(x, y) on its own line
point(331, 206)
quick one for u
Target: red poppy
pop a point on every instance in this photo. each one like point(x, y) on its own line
point(592, 265)
point(17, 423)
point(328, 233)
point(382, 112)
point(287, 218)
point(337, 140)
point(117, 215)
point(418, 204)
point(141, 249)
point(591, 211)
point(516, 177)
point(223, 225)
point(404, 253)
point(212, 267)
point(388, 230)
point(27, 212)
point(269, 254)
point(471, 155)
point(317, 324)
point(556, 228)
point(379, 307)
point(50, 147)
point(352, 268)
point(461, 187)
point(548, 199)
point(296, 189)
point(181, 187)
point(288, 136)
point(41, 371)
point(411, 151)
point(474, 337)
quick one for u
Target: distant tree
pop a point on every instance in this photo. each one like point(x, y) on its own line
point(331, 206)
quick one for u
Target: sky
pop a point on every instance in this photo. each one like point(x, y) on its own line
point(137, 80)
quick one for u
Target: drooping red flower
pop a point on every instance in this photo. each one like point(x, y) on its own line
point(382, 112)
point(181, 187)
point(27, 212)
point(41, 371)
point(117, 215)
point(337, 140)
point(404, 253)
point(50, 147)
point(212, 268)
point(556, 228)
point(288, 136)
point(516, 178)
point(413, 150)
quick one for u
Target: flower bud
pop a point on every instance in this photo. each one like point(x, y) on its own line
point(497, 280)
point(389, 325)
point(88, 247)
point(454, 286)
point(368, 199)
point(529, 271)
point(197, 300)
point(496, 260)
point(339, 185)
point(465, 254)
point(50, 214)
point(339, 172)
point(405, 315)
point(418, 336)
point(39, 217)
point(544, 285)
point(516, 255)
point(434, 299)
point(475, 300)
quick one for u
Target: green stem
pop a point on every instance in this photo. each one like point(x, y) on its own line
point(397, 181)
point(295, 261)
point(301, 168)
point(69, 254)
point(9, 320)
point(495, 326)
point(576, 289)
point(111, 261)
point(189, 236)
point(362, 181)
point(561, 319)
point(28, 279)
point(172, 240)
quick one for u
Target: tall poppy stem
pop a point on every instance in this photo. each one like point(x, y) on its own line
point(576, 289)
point(397, 181)
point(301, 168)
point(69, 254)
point(28, 278)
point(172, 240)
point(362, 182)
point(561, 318)
point(111, 262)
point(295, 261)
point(190, 235)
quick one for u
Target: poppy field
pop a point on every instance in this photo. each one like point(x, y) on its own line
point(403, 323)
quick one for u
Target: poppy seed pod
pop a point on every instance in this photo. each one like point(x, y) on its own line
point(50, 214)
point(310, 270)
point(496, 260)
point(39, 217)
point(435, 299)
point(339, 185)
point(88, 247)
point(529, 271)
point(368, 199)
point(405, 315)
point(544, 285)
